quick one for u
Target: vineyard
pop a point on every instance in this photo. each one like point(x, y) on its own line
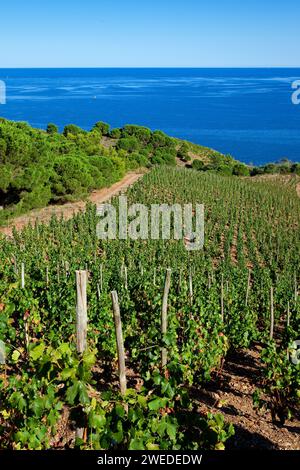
point(183, 313)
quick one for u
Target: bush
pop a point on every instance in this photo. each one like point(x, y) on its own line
point(136, 160)
point(198, 165)
point(143, 134)
point(158, 139)
point(102, 127)
point(3, 149)
point(112, 169)
point(72, 129)
point(256, 170)
point(130, 144)
point(52, 129)
point(71, 179)
point(240, 170)
point(296, 168)
point(115, 133)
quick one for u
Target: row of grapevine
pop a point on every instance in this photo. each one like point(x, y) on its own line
point(219, 300)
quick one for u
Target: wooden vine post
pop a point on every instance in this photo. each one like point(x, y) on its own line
point(191, 287)
point(120, 342)
point(248, 287)
point(22, 276)
point(81, 322)
point(272, 313)
point(125, 278)
point(164, 315)
point(26, 326)
point(222, 297)
point(81, 311)
point(101, 277)
point(288, 313)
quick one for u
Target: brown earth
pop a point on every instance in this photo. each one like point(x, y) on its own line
point(69, 209)
point(230, 394)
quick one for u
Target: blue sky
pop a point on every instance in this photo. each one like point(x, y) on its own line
point(165, 33)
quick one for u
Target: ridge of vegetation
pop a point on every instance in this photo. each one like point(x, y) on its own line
point(41, 167)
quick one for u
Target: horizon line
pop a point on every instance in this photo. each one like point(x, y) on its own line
point(156, 67)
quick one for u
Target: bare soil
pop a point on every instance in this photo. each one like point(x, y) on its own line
point(230, 394)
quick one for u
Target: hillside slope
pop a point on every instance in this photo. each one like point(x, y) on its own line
point(39, 167)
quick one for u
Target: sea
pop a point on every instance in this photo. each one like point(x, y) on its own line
point(247, 113)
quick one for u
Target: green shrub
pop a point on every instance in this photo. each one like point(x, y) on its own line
point(240, 170)
point(130, 144)
point(198, 165)
point(115, 133)
point(296, 168)
point(102, 127)
point(71, 179)
point(72, 129)
point(112, 169)
point(142, 134)
point(52, 128)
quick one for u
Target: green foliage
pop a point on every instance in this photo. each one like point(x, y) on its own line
point(52, 128)
point(198, 165)
point(281, 383)
point(182, 152)
point(296, 168)
point(45, 382)
point(283, 167)
point(130, 144)
point(40, 167)
point(240, 170)
point(72, 130)
point(115, 133)
point(142, 134)
point(72, 178)
point(102, 127)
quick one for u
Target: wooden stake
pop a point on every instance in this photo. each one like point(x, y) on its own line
point(125, 278)
point(248, 288)
point(272, 313)
point(101, 277)
point(22, 276)
point(81, 322)
point(98, 291)
point(222, 297)
point(288, 313)
point(81, 311)
point(191, 287)
point(120, 342)
point(164, 315)
point(67, 268)
point(122, 269)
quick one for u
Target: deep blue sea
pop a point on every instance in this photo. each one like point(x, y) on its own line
point(247, 113)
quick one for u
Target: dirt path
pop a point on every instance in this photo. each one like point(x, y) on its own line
point(69, 209)
point(231, 395)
